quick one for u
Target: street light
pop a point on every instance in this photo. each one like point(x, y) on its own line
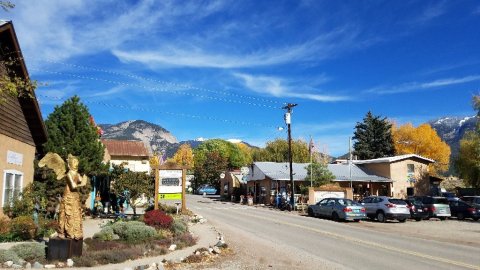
point(289, 107)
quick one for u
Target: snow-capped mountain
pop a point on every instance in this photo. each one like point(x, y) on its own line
point(452, 129)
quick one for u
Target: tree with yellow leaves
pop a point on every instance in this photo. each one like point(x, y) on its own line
point(423, 141)
point(184, 156)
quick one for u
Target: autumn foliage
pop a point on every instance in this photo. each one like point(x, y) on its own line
point(424, 141)
point(157, 219)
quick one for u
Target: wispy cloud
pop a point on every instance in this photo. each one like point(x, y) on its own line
point(278, 87)
point(415, 86)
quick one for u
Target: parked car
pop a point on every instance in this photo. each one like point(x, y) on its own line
point(383, 208)
point(337, 209)
point(437, 207)
point(463, 210)
point(417, 210)
point(207, 189)
point(475, 200)
point(450, 196)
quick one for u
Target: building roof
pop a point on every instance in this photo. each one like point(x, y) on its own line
point(125, 148)
point(393, 159)
point(281, 171)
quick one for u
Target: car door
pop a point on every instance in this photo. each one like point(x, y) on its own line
point(328, 209)
point(367, 203)
point(317, 209)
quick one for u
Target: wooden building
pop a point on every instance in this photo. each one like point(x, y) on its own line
point(22, 131)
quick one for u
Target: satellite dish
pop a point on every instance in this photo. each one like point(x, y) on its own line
point(244, 170)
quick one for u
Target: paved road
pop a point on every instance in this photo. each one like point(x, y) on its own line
point(283, 240)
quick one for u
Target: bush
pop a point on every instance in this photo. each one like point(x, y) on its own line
point(133, 231)
point(169, 209)
point(106, 234)
point(185, 240)
point(179, 226)
point(8, 255)
point(157, 219)
point(5, 231)
point(30, 251)
point(46, 227)
point(23, 227)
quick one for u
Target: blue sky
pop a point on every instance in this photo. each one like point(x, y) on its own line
point(224, 69)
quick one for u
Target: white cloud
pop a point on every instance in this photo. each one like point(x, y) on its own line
point(414, 86)
point(278, 87)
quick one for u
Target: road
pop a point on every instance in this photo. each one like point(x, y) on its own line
point(264, 238)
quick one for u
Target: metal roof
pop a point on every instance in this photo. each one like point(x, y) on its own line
point(281, 171)
point(392, 159)
point(125, 148)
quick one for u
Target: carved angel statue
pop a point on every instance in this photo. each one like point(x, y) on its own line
point(70, 216)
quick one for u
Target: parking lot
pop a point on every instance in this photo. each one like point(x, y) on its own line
point(464, 232)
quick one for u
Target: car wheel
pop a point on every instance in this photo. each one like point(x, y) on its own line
point(418, 219)
point(381, 217)
point(335, 216)
point(475, 218)
point(402, 220)
point(356, 220)
point(460, 216)
point(442, 218)
point(310, 212)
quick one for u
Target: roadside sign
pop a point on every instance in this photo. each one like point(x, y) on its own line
point(170, 196)
point(170, 181)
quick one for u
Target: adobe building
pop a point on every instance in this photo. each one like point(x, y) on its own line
point(133, 155)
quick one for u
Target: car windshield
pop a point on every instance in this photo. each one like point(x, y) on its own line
point(440, 201)
point(397, 201)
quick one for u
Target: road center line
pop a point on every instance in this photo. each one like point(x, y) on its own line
point(369, 243)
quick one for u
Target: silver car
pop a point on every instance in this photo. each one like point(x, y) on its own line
point(337, 209)
point(383, 208)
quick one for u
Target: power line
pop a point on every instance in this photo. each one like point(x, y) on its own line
point(156, 89)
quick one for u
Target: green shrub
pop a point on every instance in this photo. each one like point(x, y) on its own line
point(179, 226)
point(169, 209)
point(46, 227)
point(106, 234)
point(30, 251)
point(133, 231)
point(23, 227)
point(8, 255)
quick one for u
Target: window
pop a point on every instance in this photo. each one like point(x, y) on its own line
point(12, 186)
point(410, 169)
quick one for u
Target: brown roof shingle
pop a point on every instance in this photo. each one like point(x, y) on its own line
point(125, 148)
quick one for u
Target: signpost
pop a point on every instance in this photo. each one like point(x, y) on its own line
point(170, 183)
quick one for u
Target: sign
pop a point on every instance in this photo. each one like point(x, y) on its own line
point(320, 195)
point(170, 196)
point(170, 182)
point(14, 158)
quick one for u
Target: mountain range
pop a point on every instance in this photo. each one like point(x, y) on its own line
point(157, 139)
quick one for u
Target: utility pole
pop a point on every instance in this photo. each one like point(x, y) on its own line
point(289, 107)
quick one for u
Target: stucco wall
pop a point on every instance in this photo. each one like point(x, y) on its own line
point(26, 167)
point(400, 177)
point(134, 165)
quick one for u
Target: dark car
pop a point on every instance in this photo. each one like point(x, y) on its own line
point(463, 210)
point(474, 200)
point(450, 196)
point(417, 210)
point(437, 207)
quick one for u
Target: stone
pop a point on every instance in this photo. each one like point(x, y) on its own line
point(210, 250)
point(202, 220)
point(115, 237)
point(49, 266)
point(206, 253)
point(172, 247)
point(197, 253)
point(220, 243)
point(37, 265)
point(28, 265)
point(60, 264)
point(8, 263)
point(17, 266)
point(70, 263)
point(216, 250)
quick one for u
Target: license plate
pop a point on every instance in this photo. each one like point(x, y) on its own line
point(443, 211)
point(356, 210)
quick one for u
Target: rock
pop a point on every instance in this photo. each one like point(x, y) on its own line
point(115, 237)
point(37, 265)
point(197, 253)
point(202, 220)
point(210, 250)
point(60, 265)
point(49, 266)
point(206, 253)
point(28, 265)
point(70, 263)
point(220, 243)
point(172, 247)
point(8, 263)
point(21, 261)
point(216, 250)
point(17, 266)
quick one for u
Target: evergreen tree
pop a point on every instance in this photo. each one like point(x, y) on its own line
point(373, 138)
point(321, 174)
point(71, 130)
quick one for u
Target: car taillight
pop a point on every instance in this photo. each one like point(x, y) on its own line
point(432, 209)
point(390, 205)
point(346, 209)
point(363, 210)
point(413, 207)
point(471, 210)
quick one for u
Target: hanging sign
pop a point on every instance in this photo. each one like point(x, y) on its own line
point(170, 181)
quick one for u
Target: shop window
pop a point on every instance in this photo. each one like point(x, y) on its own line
point(411, 169)
point(12, 186)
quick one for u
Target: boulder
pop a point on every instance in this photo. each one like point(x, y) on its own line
point(70, 263)
point(172, 247)
point(37, 265)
